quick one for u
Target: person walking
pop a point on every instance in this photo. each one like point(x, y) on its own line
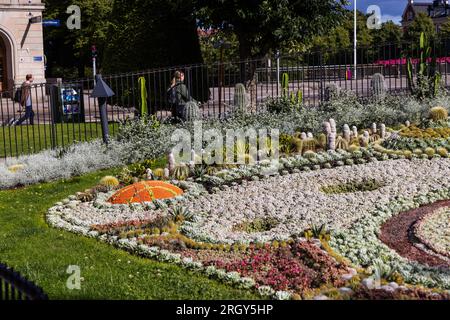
point(178, 95)
point(26, 101)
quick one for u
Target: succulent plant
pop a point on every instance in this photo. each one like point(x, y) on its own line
point(285, 84)
point(310, 154)
point(331, 91)
point(297, 145)
point(240, 98)
point(110, 182)
point(341, 143)
point(439, 114)
point(383, 131)
point(159, 173)
point(16, 168)
point(191, 112)
point(309, 145)
point(181, 172)
point(378, 86)
point(322, 141)
point(347, 132)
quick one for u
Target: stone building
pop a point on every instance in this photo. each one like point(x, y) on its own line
point(21, 42)
point(437, 10)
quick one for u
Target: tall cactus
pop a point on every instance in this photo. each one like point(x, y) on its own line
point(428, 79)
point(191, 112)
point(240, 98)
point(144, 95)
point(331, 91)
point(285, 84)
point(378, 87)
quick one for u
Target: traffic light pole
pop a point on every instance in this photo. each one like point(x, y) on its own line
point(94, 69)
point(94, 62)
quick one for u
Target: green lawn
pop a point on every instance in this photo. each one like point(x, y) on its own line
point(43, 254)
point(26, 139)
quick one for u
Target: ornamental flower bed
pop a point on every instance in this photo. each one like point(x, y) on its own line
point(222, 232)
point(145, 191)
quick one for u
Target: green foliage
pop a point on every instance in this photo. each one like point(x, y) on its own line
point(261, 25)
point(257, 225)
point(66, 49)
point(366, 185)
point(422, 24)
point(428, 80)
point(42, 254)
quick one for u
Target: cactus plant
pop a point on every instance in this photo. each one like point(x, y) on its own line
point(191, 112)
point(158, 173)
point(109, 182)
point(322, 141)
point(439, 114)
point(341, 143)
point(331, 91)
point(240, 98)
point(297, 145)
point(332, 134)
point(383, 131)
point(309, 145)
point(428, 79)
point(347, 132)
point(181, 172)
point(144, 96)
point(378, 86)
point(354, 132)
point(374, 128)
point(285, 84)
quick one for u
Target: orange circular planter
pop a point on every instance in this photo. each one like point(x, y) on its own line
point(145, 191)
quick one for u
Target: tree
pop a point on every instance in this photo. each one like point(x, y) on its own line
point(389, 33)
point(67, 48)
point(422, 23)
point(444, 31)
point(151, 33)
point(262, 26)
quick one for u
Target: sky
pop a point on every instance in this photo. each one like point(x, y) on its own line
point(390, 9)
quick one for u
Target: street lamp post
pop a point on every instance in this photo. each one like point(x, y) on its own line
point(355, 41)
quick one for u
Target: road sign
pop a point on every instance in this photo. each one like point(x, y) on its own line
point(51, 23)
point(37, 19)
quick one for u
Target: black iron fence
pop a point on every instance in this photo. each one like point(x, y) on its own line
point(14, 287)
point(66, 112)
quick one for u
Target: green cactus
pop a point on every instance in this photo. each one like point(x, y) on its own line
point(285, 84)
point(144, 95)
point(240, 98)
point(428, 79)
point(299, 98)
point(181, 172)
point(378, 86)
point(331, 91)
point(191, 112)
point(323, 141)
point(341, 143)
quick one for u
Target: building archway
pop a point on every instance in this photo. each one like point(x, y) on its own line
point(7, 61)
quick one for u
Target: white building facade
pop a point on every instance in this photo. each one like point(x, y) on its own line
point(21, 42)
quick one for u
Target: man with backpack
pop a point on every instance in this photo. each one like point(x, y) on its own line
point(26, 101)
point(178, 95)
